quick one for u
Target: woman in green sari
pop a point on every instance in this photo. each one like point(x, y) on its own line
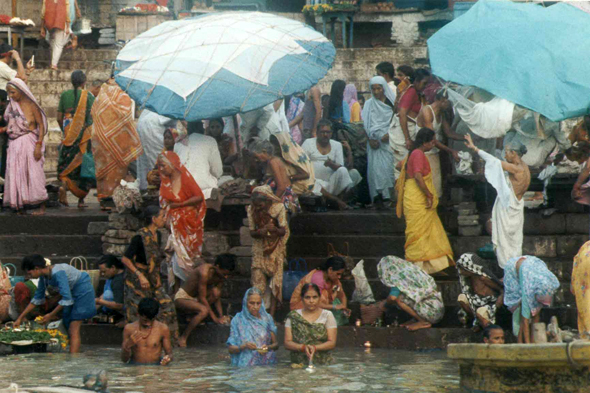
point(310, 333)
point(73, 116)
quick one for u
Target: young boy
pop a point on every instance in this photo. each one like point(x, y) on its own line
point(493, 334)
point(144, 339)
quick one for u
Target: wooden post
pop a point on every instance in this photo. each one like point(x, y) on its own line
point(14, 14)
point(14, 4)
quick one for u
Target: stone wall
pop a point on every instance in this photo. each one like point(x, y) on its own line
point(6, 7)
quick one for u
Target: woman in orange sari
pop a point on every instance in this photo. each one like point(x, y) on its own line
point(73, 116)
point(185, 203)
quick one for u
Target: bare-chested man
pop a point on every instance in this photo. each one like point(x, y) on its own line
point(508, 212)
point(201, 290)
point(144, 339)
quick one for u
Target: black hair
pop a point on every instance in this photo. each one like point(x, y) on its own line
point(335, 262)
point(324, 123)
point(407, 71)
point(226, 261)
point(386, 67)
point(110, 261)
point(195, 127)
point(360, 96)
point(78, 78)
point(336, 96)
point(441, 93)
point(309, 286)
point(423, 136)
point(488, 329)
point(419, 74)
point(148, 307)
point(30, 262)
point(3, 96)
point(149, 213)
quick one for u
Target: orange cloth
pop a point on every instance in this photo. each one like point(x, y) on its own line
point(55, 14)
point(186, 223)
point(115, 141)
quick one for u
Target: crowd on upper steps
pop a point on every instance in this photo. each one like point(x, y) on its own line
point(344, 150)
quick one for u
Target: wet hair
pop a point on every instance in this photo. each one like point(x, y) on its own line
point(488, 329)
point(309, 287)
point(324, 123)
point(518, 148)
point(407, 71)
point(78, 78)
point(30, 262)
point(149, 213)
point(336, 96)
point(420, 74)
point(386, 67)
point(226, 261)
point(110, 261)
point(148, 307)
point(195, 127)
point(259, 145)
point(335, 262)
point(423, 136)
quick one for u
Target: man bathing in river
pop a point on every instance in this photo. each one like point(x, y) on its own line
point(493, 334)
point(201, 290)
point(143, 340)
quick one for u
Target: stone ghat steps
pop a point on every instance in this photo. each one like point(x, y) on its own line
point(50, 245)
point(43, 54)
point(17, 260)
point(62, 221)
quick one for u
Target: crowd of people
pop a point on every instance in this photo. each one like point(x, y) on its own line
point(382, 152)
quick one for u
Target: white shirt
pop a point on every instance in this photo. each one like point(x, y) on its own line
point(6, 74)
point(318, 159)
point(325, 318)
point(200, 155)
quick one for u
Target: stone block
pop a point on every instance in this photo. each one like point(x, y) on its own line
point(244, 267)
point(568, 246)
point(215, 243)
point(245, 237)
point(114, 240)
point(117, 225)
point(241, 251)
point(245, 222)
point(467, 205)
point(125, 221)
point(97, 228)
point(536, 224)
point(120, 234)
point(474, 230)
point(114, 249)
point(577, 223)
point(464, 222)
point(540, 246)
point(466, 212)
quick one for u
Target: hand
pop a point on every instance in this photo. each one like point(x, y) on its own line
point(98, 301)
point(145, 284)
point(340, 307)
point(48, 318)
point(250, 346)
point(374, 143)
point(455, 155)
point(175, 205)
point(347, 312)
point(409, 144)
point(469, 142)
point(345, 145)
point(577, 192)
point(225, 320)
point(165, 360)
point(385, 138)
point(42, 32)
point(309, 351)
point(15, 55)
point(30, 66)
point(78, 13)
point(429, 201)
point(37, 154)
point(328, 163)
point(18, 322)
point(134, 339)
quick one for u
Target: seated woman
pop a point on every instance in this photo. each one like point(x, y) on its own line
point(171, 136)
point(528, 285)
point(276, 175)
point(482, 293)
point(111, 301)
point(298, 164)
point(332, 296)
point(75, 288)
point(226, 144)
point(310, 333)
point(253, 336)
point(413, 291)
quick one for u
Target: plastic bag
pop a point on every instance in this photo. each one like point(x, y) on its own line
point(292, 277)
point(362, 291)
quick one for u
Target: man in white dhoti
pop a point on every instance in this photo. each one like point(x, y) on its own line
point(150, 127)
point(200, 155)
point(508, 211)
point(333, 179)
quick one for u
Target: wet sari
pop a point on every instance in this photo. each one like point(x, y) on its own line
point(76, 105)
point(580, 285)
point(245, 327)
point(308, 333)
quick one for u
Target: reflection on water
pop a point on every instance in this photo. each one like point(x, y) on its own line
point(208, 370)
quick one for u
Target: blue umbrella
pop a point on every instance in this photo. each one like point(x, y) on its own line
point(221, 64)
point(533, 56)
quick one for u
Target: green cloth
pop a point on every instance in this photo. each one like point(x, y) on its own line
point(68, 102)
point(308, 333)
point(339, 316)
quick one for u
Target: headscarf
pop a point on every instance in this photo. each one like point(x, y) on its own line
point(245, 327)
point(409, 278)
point(293, 154)
point(350, 95)
point(376, 114)
point(187, 179)
point(14, 111)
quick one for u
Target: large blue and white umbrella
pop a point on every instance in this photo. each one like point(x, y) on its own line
point(221, 64)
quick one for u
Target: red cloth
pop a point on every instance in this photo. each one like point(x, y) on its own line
point(22, 295)
point(56, 15)
point(187, 222)
point(411, 100)
point(417, 163)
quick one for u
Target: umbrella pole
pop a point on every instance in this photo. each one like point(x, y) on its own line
point(237, 135)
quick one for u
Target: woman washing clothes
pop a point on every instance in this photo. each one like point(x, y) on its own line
point(253, 335)
point(310, 332)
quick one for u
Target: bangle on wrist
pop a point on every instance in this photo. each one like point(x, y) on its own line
point(302, 347)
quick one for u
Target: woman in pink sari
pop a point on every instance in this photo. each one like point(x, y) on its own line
point(27, 124)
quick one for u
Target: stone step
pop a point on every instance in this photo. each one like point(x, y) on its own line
point(77, 55)
point(92, 70)
point(62, 221)
point(16, 261)
point(50, 245)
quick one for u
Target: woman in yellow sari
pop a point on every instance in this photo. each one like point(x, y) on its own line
point(426, 241)
point(73, 117)
point(579, 287)
point(297, 162)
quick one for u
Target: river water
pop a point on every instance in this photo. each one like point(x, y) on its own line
point(207, 369)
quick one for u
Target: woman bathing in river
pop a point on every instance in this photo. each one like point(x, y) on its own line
point(253, 336)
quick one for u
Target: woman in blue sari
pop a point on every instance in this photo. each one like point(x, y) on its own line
point(253, 336)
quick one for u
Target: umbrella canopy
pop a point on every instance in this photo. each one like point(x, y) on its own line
point(222, 64)
point(534, 56)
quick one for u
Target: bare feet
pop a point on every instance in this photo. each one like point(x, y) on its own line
point(182, 342)
point(408, 323)
point(54, 68)
point(342, 205)
point(39, 212)
point(63, 197)
point(418, 325)
point(81, 204)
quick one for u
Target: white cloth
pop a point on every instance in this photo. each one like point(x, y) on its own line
point(325, 318)
point(490, 119)
point(335, 182)
point(507, 214)
point(265, 119)
point(6, 75)
point(150, 127)
point(397, 141)
point(58, 39)
point(377, 119)
point(200, 155)
point(436, 127)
